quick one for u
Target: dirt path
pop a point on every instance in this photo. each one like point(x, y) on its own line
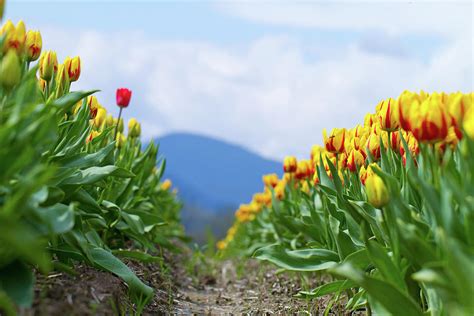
point(256, 290)
point(209, 287)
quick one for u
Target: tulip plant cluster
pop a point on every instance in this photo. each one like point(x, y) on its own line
point(386, 208)
point(74, 188)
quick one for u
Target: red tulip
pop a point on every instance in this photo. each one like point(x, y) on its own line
point(123, 97)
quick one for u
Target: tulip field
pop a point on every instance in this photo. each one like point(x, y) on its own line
point(382, 213)
point(74, 186)
point(386, 208)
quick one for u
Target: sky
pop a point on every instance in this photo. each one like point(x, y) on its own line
point(268, 75)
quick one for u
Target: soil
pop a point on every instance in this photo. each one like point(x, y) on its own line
point(206, 287)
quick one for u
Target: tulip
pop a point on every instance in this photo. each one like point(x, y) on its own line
point(73, 66)
point(316, 152)
point(93, 105)
point(120, 140)
point(48, 64)
point(134, 128)
point(430, 122)
point(166, 185)
point(62, 81)
point(303, 169)
point(369, 119)
point(100, 117)
point(10, 70)
point(270, 180)
point(14, 36)
point(468, 123)
point(221, 245)
point(356, 159)
point(33, 45)
point(109, 121)
point(289, 164)
point(388, 115)
point(335, 142)
point(280, 190)
point(123, 97)
point(91, 136)
point(372, 146)
point(376, 190)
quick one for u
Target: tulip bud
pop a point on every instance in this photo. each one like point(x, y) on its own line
point(270, 180)
point(62, 81)
point(134, 129)
point(109, 121)
point(10, 70)
point(100, 117)
point(335, 142)
point(48, 64)
point(33, 45)
point(376, 190)
point(73, 66)
point(120, 140)
point(123, 97)
point(289, 164)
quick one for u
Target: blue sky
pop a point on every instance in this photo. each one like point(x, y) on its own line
point(266, 75)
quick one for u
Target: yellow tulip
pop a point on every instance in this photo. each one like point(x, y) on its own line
point(62, 81)
point(134, 128)
point(100, 117)
point(166, 185)
point(376, 190)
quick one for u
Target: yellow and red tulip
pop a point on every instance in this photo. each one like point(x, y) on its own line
point(33, 45)
point(290, 164)
point(48, 64)
point(73, 66)
point(335, 142)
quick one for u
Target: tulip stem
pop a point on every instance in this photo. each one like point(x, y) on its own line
point(118, 122)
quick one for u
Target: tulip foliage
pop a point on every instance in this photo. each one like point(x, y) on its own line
point(69, 191)
point(386, 208)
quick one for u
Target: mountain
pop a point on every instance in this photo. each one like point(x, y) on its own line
point(213, 177)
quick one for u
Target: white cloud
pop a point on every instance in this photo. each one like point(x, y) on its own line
point(267, 95)
point(443, 17)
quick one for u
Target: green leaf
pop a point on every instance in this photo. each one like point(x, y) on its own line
point(139, 291)
point(67, 101)
point(328, 288)
point(17, 280)
point(393, 300)
point(94, 174)
point(298, 260)
point(58, 218)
